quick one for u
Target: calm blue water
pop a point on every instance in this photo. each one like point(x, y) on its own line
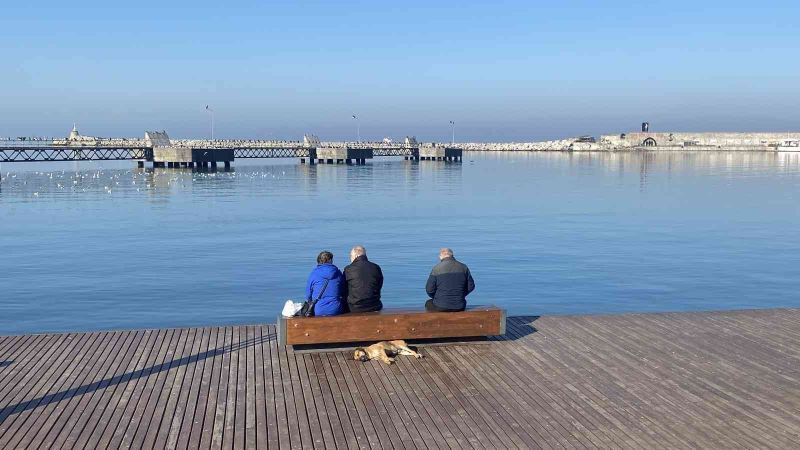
point(106, 246)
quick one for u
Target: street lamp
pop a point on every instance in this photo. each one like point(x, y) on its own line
point(358, 129)
point(211, 111)
point(453, 127)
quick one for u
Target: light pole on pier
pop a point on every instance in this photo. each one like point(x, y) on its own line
point(211, 111)
point(453, 128)
point(358, 129)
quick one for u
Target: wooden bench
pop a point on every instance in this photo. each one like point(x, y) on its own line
point(391, 324)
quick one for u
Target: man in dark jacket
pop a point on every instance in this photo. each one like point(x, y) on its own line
point(364, 282)
point(448, 284)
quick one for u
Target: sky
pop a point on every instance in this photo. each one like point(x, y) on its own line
point(501, 70)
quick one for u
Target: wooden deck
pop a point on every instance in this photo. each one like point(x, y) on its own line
point(687, 380)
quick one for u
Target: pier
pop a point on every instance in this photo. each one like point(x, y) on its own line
point(667, 380)
point(160, 151)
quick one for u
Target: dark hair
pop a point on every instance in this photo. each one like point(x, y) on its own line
point(324, 257)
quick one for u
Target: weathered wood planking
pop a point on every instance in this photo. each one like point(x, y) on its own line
point(392, 324)
point(673, 380)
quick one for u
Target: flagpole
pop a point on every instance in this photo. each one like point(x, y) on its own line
point(453, 126)
point(358, 129)
point(211, 111)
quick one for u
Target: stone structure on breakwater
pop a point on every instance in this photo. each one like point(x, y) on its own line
point(697, 141)
point(647, 141)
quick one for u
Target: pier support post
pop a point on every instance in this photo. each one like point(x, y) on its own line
point(140, 164)
point(349, 162)
point(227, 166)
point(302, 160)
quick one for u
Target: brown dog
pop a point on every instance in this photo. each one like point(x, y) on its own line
point(384, 351)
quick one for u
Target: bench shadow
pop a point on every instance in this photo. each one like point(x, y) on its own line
point(518, 327)
point(6, 363)
point(126, 377)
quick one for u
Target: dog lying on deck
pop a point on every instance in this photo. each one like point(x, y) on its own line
point(384, 351)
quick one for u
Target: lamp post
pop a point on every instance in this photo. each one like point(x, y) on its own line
point(358, 129)
point(453, 128)
point(211, 111)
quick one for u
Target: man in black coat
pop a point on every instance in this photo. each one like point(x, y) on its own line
point(448, 284)
point(364, 282)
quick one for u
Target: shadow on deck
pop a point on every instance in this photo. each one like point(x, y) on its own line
point(124, 378)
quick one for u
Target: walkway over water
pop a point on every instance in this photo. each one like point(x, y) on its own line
point(678, 380)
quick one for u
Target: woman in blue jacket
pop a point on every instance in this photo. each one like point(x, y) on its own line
point(326, 284)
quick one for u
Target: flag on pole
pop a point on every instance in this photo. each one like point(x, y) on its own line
point(354, 116)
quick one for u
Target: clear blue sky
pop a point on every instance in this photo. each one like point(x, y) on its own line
point(503, 70)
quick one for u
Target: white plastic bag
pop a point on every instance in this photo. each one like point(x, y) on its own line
point(291, 308)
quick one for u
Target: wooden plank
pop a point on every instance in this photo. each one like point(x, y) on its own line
point(28, 366)
point(383, 326)
point(318, 401)
point(271, 405)
point(588, 394)
point(107, 422)
point(727, 395)
point(364, 408)
point(419, 413)
point(282, 440)
point(178, 389)
point(93, 416)
point(186, 405)
point(353, 429)
point(307, 436)
point(630, 372)
point(217, 421)
point(91, 393)
point(230, 428)
point(402, 419)
point(450, 409)
point(333, 415)
point(30, 394)
point(251, 419)
point(379, 409)
point(315, 433)
point(69, 395)
point(151, 413)
point(205, 417)
point(140, 394)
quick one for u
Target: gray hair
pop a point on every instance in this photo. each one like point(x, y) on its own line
point(445, 253)
point(357, 251)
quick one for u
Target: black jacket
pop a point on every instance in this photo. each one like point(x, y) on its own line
point(449, 283)
point(364, 283)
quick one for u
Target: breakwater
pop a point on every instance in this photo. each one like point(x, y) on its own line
point(732, 141)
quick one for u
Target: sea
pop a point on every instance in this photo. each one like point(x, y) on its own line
point(107, 246)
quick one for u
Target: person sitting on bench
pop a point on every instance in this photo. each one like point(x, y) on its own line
point(325, 285)
point(364, 282)
point(448, 284)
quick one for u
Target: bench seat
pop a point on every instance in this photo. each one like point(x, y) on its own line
point(391, 324)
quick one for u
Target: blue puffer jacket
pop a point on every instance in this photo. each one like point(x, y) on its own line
point(331, 302)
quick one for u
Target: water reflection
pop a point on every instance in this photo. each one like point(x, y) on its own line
point(38, 181)
point(542, 232)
